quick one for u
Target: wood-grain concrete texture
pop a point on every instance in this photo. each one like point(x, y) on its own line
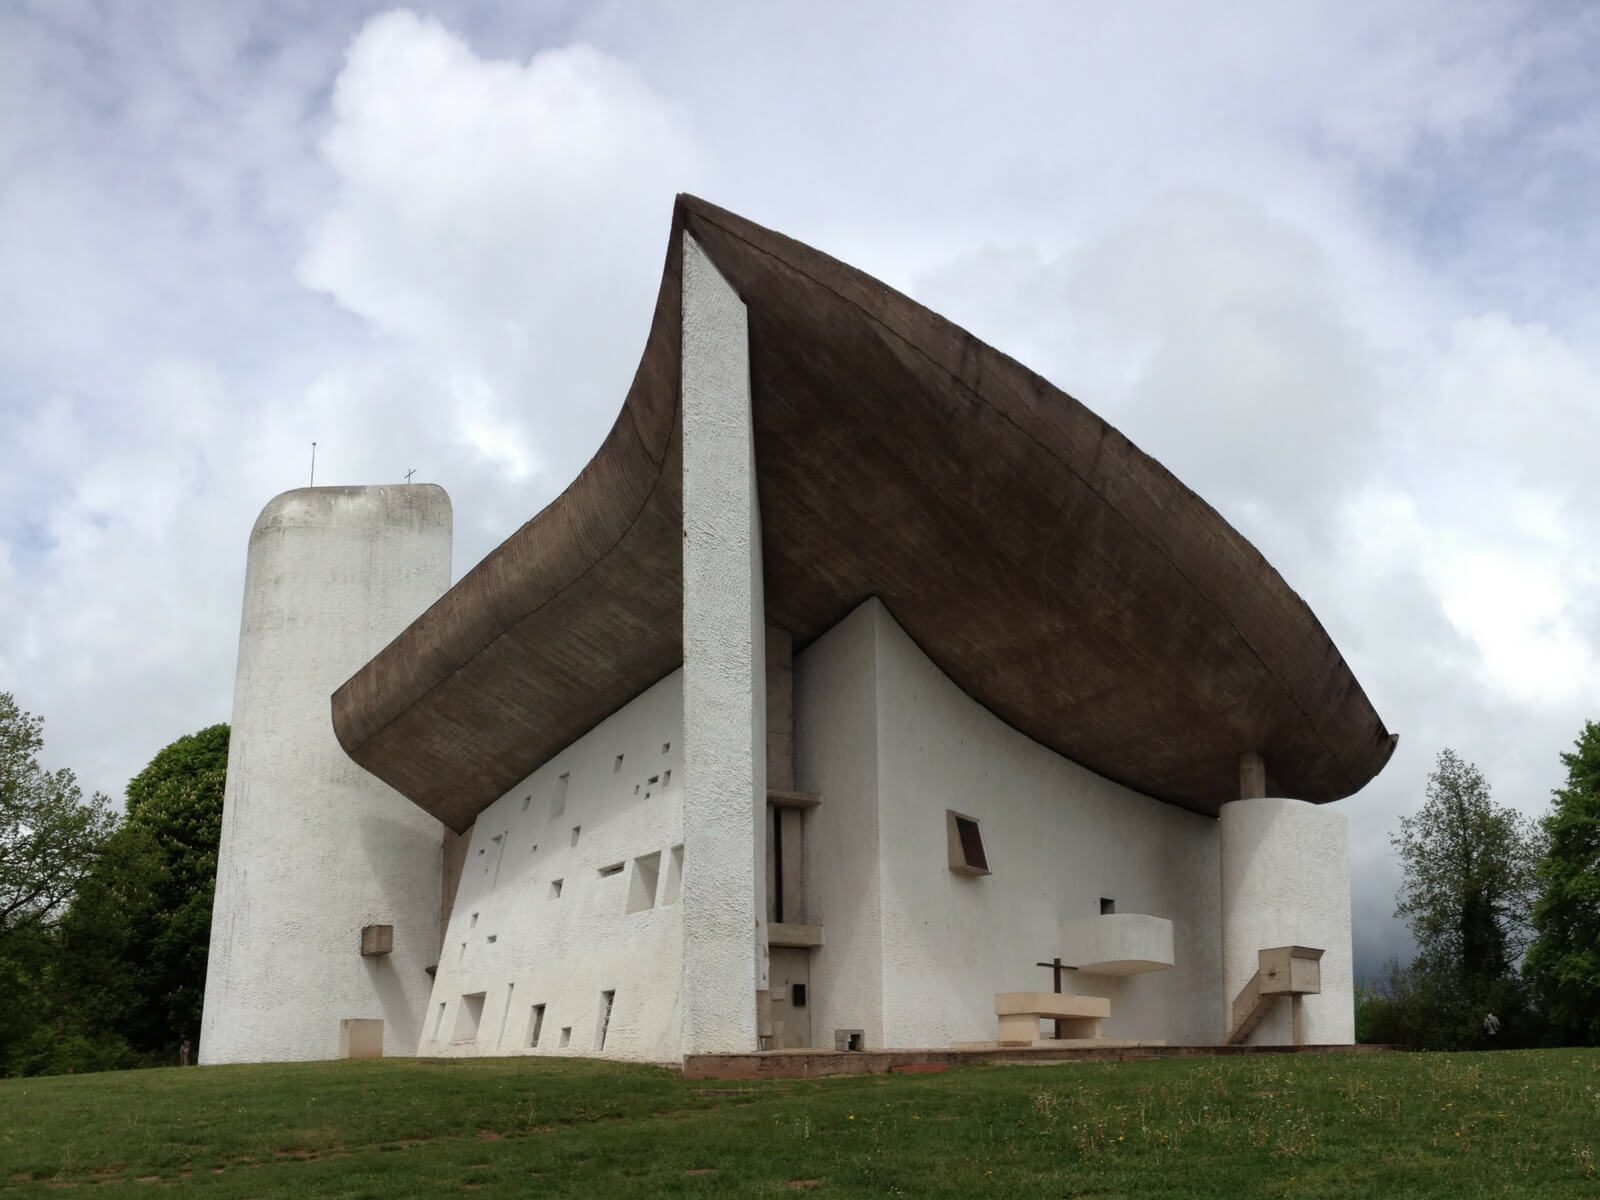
point(1055, 572)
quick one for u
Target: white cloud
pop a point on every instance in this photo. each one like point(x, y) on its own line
point(505, 220)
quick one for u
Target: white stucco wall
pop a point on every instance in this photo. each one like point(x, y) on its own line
point(313, 847)
point(1286, 882)
point(836, 757)
point(519, 946)
point(724, 673)
point(1058, 838)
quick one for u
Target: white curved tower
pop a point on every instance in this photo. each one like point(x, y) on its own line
point(314, 848)
point(1286, 882)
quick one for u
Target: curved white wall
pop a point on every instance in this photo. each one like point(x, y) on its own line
point(1286, 882)
point(313, 847)
point(914, 954)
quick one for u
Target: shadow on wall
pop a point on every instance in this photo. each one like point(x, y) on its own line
point(401, 1028)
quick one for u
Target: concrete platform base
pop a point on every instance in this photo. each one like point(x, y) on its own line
point(814, 1064)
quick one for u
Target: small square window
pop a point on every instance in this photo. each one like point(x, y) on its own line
point(967, 855)
point(1107, 906)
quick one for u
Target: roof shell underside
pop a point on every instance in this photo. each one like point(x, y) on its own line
point(1059, 575)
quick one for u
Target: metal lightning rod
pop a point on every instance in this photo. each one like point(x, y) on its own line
point(313, 465)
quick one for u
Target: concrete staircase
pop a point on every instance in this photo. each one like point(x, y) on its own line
point(1292, 971)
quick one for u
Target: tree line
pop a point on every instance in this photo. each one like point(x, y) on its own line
point(105, 919)
point(1505, 912)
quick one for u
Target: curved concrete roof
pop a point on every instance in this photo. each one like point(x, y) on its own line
point(1059, 575)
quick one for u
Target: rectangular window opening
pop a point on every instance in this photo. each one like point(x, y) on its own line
point(535, 1025)
point(605, 1020)
point(555, 889)
point(674, 888)
point(617, 766)
point(438, 1022)
point(468, 1017)
point(505, 1014)
point(967, 855)
point(576, 830)
point(1107, 906)
point(566, 1035)
point(558, 798)
point(665, 746)
point(642, 884)
point(526, 801)
point(607, 872)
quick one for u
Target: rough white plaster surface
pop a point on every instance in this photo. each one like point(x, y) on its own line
point(313, 847)
point(1286, 882)
point(1058, 839)
point(724, 673)
point(836, 757)
point(517, 945)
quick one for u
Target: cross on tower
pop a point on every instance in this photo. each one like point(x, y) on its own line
point(410, 473)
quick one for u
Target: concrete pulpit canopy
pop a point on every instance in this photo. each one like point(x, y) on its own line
point(1060, 576)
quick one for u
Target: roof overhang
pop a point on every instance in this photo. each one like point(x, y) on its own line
point(1059, 575)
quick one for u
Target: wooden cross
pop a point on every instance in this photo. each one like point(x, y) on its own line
point(410, 473)
point(1056, 967)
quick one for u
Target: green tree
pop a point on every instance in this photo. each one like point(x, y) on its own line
point(1563, 965)
point(137, 938)
point(51, 840)
point(1467, 896)
point(50, 837)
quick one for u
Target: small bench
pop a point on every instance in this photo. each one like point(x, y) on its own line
point(1021, 1012)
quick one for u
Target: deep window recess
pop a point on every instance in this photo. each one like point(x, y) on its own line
point(642, 885)
point(674, 886)
point(967, 855)
point(1107, 906)
point(535, 1024)
point(468, 1017)
point(558, 798)
point(606, 999)
point(610, 869)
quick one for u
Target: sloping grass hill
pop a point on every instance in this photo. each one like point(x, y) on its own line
point(1456, 1126)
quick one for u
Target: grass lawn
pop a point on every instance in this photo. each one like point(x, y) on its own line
point(1457, 1126)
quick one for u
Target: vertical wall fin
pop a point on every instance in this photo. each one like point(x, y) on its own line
point(724, 673)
